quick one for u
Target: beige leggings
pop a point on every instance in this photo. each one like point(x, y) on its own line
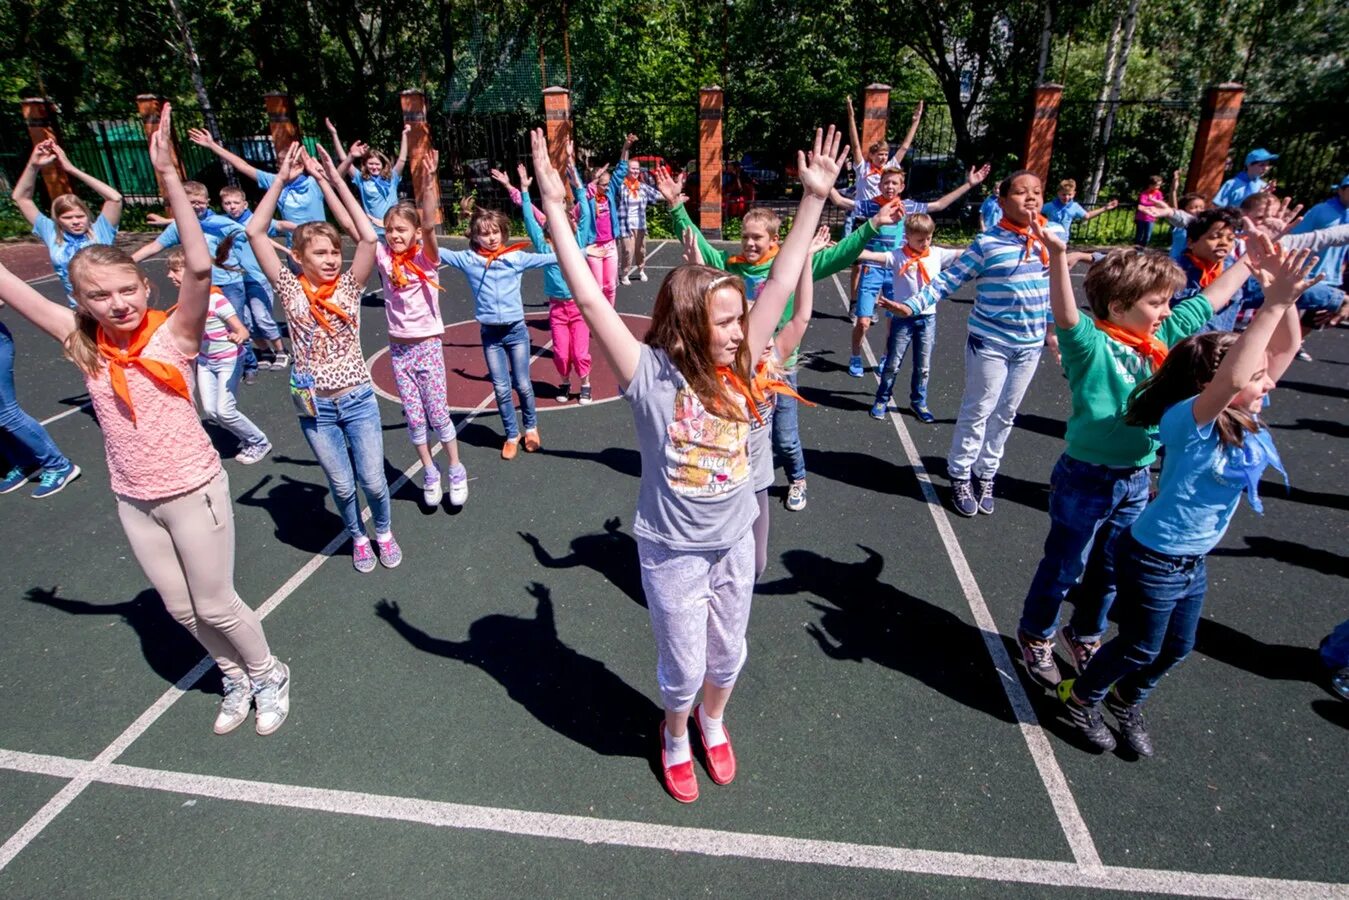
point(634, 251)
point(185, 544)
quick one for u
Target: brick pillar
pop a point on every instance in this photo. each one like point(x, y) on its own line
point(875, 115)
point(282, 120)
point(39, 114)
point(1040, 133)
point(1217, 123)
point(711, 113)
point(419, 143)
point(557, 125)
point(148, 105)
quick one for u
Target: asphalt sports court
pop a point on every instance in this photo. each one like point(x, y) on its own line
point(482, 721)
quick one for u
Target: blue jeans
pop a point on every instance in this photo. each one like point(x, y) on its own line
point(996, 378)
point(234, 293)
point(787, 433)
point(347, 428)
point(506, 348)
point(258, 295)
point(1160, 601)
point(23, 441)
point(1090, 506)
point(1142, 233)
point(921, 331)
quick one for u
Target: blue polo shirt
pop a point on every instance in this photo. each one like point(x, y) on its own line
point(1064, 214)
point(61, 252)
point(216, 228)
point(1238, 188)
point(301, 200)
point(377, 194)
point(1325, 215)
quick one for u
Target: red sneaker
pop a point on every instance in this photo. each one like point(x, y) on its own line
point(721, 758)
point(679, 778)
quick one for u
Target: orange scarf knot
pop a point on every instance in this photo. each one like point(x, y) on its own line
point(320, 303)
point(1208, 272)
point(493, 255)
point(914, 261)
point(402, 263)
point(737, 384)
point(1032, 242)
point(765, 384)
point(739, 260)
point(122, 358)
point(1146, 345)
point(633, 185)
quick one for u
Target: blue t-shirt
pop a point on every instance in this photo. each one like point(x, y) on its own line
point(1064, 214)
point(1196, 496)
point(216, 228)
point(301, 200)
point(102, 232)
point(377, 194)
point(888, 237)
point(1327, 215)
point(990, 212)
point(1238, 188)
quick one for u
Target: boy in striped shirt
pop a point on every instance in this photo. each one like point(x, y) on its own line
point(1006, 334)
point(634, 196)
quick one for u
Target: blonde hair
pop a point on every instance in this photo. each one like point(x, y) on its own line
point(681, 325)
point(232, 191)
point(64, 204)
point(376, 154)
point(405, 211)
point(1068, 184)
point(919, 223)
point(1126, 276)
point(196, 189)
point(891, 171)
point(770, 220)
point(81, 345)
point(307, 233)
point(176, 260)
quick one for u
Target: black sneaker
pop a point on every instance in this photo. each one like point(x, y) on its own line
point(1130, 719)
point(1087, 720)
point(1038, 655)
point(962, 498)
point(1079, 651)
point(983, 492)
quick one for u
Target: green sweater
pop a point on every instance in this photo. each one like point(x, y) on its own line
point(1102, 373)
point(826, 261)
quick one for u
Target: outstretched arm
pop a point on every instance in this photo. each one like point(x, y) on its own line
point(858, 154)
point(194, 294)
point(202, 138)
point(622, 349)
point(427, 174)
point(338, 151)
point(260, 224)
point(973, 178)
point(57, 319)
point(112, 199)
point(402, 159)
point(44, 154)
point(908, 135)
point(348, 159)
point(1100, 209)
point(627, 147)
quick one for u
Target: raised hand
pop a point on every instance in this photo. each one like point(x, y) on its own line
point(668, 187)
point(500, 178)
point(976, 176)
point(1290, 276)
point(329, 167)
point(430, 166)
point(525, 180)
point(820, 241)
point(44, 154)
point(630, 140)
point(693, 253)
point(407, 130)
point(201, 137)
point(329, 123)
point(291, 163)
point(917, 113)
point(1114, 203)
point(313, 168)
point(889, 213)
point(161, 142)
point(1154, 209)
point(599, 173)
point(819, 169)
point(1047, 237)
point(1283, 218)
point(552, 189)
point(358, 149)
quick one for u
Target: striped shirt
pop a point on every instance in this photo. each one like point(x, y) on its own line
point(216, 346)
point(632, 207)
point(1012, 301)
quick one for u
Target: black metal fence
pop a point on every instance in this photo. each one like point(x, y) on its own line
point(1311, 138)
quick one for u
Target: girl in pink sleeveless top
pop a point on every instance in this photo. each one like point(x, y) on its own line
point(172, 493)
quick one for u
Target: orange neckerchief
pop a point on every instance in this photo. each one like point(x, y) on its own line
point(768, 257)
point(405, 260)
point(493, 255)
point(320, 304)
point(1147, 345)
point(1207, 273)
point(914, 260)
point(764, 385)
point(1023, 231)
point(633, 184)
point(119, 360)
point(738, 385)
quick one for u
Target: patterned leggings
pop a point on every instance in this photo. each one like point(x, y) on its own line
point(419, 370)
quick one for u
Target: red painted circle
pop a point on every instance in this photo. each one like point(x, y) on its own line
point(467, 384)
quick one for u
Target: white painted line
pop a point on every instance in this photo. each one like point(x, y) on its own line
point(1056, 784)
point(70, 412)
point(53, 807)
point(673, 838)
point(652, 254)
point(43, 279)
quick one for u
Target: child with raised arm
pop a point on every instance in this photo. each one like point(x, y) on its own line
point(494, 269)
point(635, 194)
point(301, 197)
point(602, 194)
point(1064, 209)
point(869, 165)
point(1100, 483)
point(257, 290)
point(1144, 218)
point(407, 260)
point(71, 226)
point(1205, 403)
point(690, 389)
point(376, 181)
point(912, 267)
point(1007, 335)
point(329, 383)
point(173, 496)
point(758, 249)
point(876, 280)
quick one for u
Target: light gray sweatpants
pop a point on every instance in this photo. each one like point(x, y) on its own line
point(699, 604)
point(185, 544)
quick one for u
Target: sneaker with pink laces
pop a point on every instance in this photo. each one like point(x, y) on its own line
point(363, 557)
point(390, 554)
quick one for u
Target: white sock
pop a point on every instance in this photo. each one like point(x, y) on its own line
point(383, 536)
point(677, 749)
point(714, 730)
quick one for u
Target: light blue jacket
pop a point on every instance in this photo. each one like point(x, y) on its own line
point(496, 288)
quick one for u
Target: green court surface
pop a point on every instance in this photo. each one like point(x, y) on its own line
point(482, 720)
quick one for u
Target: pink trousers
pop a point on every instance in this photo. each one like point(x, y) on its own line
point(605, 269)
point(571, 338)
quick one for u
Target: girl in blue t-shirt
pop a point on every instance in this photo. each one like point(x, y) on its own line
point(71, 226)
point(375, 180)
point(1205, 401)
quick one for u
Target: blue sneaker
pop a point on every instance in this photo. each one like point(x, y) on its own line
point(16, 479)
point(962, 498)
point(53, 481)
point(855, 366)
point(878, 410)
point(983, 491)
point(922, 413)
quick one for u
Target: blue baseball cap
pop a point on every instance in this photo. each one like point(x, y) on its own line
point(1343, 184)
point(1260, 155)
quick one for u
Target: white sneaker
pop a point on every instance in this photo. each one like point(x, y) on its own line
point(625, 280)
point(272, 698)
point(431, 489)
point(641, 275)
point(458, 485)
point(234, 708)
point(253, 453)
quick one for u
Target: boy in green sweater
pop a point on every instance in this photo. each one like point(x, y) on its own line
point(758, 247)
point(1100, 483)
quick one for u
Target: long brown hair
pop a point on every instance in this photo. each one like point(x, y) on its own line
point(64, 203)
point(81, 345)
point(1189, 366)
point(681, 325)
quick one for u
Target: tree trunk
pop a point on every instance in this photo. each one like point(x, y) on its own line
point(189, 51)
point(1045, 35)
point(1112, 101)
